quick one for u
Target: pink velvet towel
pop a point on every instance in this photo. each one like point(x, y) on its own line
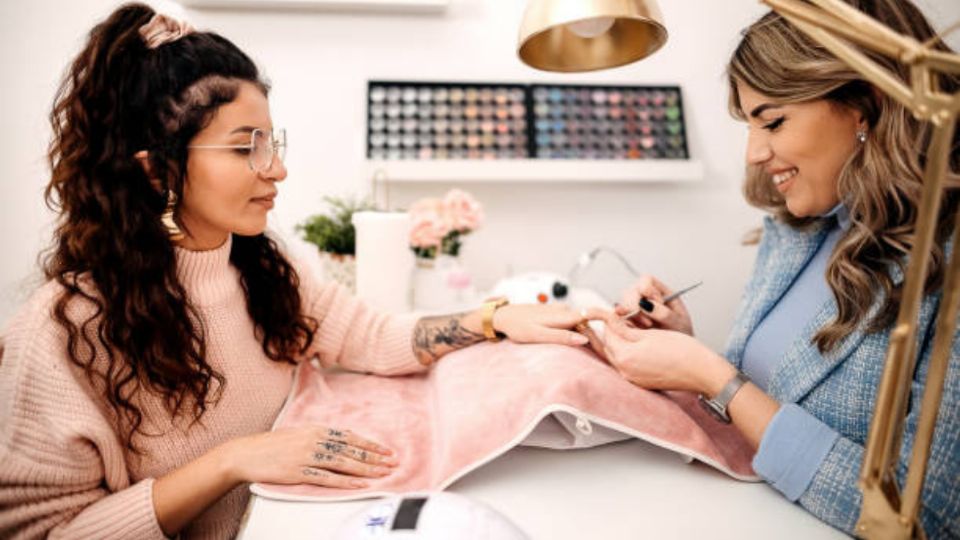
point(479, 402)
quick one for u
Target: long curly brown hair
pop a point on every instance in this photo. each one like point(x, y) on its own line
point(882, 181)
point(110, 248)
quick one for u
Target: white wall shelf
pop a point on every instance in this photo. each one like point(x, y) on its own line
point(397, 6)
point(532, 170)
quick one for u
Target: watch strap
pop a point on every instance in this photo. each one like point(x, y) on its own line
point(487, 311)
point(717, 406)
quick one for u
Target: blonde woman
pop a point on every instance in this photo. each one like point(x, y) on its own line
point(838, 165)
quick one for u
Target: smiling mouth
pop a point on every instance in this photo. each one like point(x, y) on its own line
point(782, 177)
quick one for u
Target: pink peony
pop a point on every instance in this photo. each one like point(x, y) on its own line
point(429, 226)
point(462, 212)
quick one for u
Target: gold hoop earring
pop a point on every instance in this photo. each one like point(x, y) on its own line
point(173, 230)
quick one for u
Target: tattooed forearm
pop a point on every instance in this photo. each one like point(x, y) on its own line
point(435, 336)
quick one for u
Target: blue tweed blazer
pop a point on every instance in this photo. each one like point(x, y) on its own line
point(840, 387)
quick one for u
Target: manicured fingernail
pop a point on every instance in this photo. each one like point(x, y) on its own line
point(390, 462)
point(580, 339)
point(384, 450)
point(646, 305)
point(358, 484)
point(382, 471)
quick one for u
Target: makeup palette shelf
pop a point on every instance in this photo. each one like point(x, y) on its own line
point(419, 131)
point(535, 170)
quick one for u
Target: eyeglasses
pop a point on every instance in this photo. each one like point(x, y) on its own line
point(264, 145)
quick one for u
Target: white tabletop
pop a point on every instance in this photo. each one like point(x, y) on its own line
point(628, 490)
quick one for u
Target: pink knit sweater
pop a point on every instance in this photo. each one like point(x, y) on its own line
point(63, 469)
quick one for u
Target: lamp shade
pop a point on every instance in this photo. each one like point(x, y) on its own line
point(586, 35)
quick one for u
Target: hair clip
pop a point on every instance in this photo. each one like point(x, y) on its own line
point(163, 29)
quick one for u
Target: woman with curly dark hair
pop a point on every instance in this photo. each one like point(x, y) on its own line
point(138, 386)
point(839, 166)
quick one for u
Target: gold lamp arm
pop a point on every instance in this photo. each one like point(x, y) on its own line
point(833, 24)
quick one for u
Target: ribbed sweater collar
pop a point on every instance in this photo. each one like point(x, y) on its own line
point(207, 275)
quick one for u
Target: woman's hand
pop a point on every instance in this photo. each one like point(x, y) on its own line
point(654, 314)
point(662, 359)
point(321, 456)
point(539, 323)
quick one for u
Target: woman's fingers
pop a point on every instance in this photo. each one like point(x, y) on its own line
point(660, 313)
point(360, 455)
point(641, 321)
point(566, 318)
point(560, 337)
point(346, 455)
point(610, 319)
point(647, 294)
point(346, 452)
point(616, 347)
point(323, 477)
point(622, 330)
point(332, 457)
point(598, 314)
point(646, 286)
point(352, 439)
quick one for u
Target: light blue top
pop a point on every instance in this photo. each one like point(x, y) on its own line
point(835, 391)
point(768, 342)
point(795, 442)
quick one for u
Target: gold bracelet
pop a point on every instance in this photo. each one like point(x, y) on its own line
point(490, 306)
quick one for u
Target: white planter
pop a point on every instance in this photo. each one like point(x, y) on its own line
point(340, 268)
point(441, 284)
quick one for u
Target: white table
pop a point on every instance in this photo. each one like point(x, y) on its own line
point(629, 490)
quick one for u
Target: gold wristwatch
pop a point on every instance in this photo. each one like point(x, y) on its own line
point(490, 306)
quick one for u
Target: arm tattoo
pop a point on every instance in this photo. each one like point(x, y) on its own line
point(335, 433)
point(307, 471)
point(435, 336)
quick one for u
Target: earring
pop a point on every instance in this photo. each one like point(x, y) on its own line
point(861, 136)
point(167, 218)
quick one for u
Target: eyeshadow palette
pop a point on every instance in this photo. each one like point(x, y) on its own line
point(427, 121)
point(446, 121)
point(598, 122)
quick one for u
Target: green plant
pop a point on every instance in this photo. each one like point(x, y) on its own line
point(333, 232)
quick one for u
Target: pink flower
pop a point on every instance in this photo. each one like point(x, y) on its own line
point(429, 225)
point(462, 212)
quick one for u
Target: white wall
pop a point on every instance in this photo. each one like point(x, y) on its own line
point(319, 63)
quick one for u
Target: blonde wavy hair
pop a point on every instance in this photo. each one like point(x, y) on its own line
point(881, 182)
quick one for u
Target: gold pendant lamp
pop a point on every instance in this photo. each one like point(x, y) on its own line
point(587, 35)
